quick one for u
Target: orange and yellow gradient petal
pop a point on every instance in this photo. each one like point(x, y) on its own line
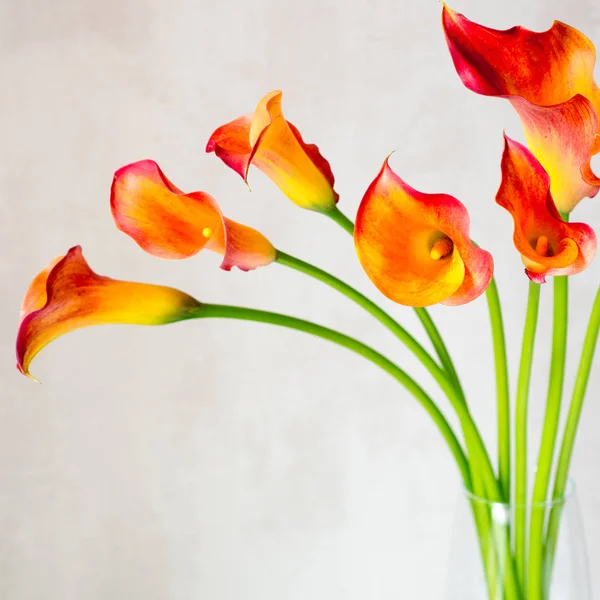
point(549, 79)
point(562, 138)
point(547, 244)
point(168, 223)
point(67, 295)
point(273, 145)
point(415, 247)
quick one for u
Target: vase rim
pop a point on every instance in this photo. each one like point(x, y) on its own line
point(568, 493)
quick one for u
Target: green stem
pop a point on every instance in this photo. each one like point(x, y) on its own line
point(502, 389)
point(533, 303)
point(439, 346)
point(456, 398)
point(383, 317)
point(566, 451)
point(341, 219)
point(472, 435)
point(261, 316)
point(551, 420)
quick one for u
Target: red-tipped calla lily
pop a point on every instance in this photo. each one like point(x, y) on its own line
point(415, 247)
point(168, 223)
point(548, 245)
point(267, 141)
point(68, 295)
point(549, 79)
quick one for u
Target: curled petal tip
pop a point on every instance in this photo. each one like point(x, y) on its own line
point(26, 373)
point(447, 12)
point(535, 277)
point(231, 144)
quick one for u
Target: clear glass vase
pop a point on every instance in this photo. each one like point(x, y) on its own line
point(484, 564)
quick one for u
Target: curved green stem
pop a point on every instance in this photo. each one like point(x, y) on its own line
point(566, 451)
point(456, 398)
point(533, 304)
point(382, 316)
point(439, 346)
point(261, 316)
point(551, 420)
point(502, 389)
point(341, 219)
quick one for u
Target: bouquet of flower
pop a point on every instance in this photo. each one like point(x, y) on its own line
point(417, 250)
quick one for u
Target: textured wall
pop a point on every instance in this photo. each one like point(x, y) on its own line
point(223, 460)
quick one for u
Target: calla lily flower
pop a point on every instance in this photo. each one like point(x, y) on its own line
point(415, 247)
point(168, 223)
point(267, 141)
point(548, 77)
point(548, 245)
point(68, 295)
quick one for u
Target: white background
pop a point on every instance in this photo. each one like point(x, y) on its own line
point(222, 460)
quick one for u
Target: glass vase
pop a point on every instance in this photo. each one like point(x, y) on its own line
point(484, 564)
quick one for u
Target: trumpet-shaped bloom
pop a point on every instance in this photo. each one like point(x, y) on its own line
point(415, 247)
point(548, 245)
point(68, 295)
point(168, 223)
point(548, 77)
point(267, 141)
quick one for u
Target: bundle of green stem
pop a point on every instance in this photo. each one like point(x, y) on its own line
point(517, 554)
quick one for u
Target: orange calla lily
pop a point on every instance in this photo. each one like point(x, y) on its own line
point(168, 223)
point(267, 141)
point(415, 247)
point(548, 77)
point(68, 295)
point(548, 245)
